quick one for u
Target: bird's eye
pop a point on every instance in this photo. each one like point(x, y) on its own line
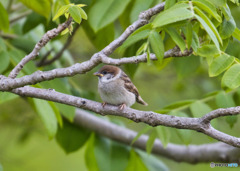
point(104, 72)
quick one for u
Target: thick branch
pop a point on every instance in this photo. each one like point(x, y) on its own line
point(216, 152)
point(148, 117)
point(7, 84)
point(45, 39)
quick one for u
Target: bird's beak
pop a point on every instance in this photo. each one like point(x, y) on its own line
point(98, 74)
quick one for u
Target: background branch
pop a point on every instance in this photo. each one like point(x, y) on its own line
point(216, 152)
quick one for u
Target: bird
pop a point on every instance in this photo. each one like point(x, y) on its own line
point(116, 88)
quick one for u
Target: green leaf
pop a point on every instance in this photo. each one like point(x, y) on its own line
point(208, 51)
point(6, 96)
point(195, 42)
point(184, 135)
point(186, 66)
point(4, 61)
point(231, 78)
point(102, 154)
point(15, 58)
point(219, 3)
point(47, 115)
point(169, 3)
point(235, 1)
point(142, 49)
point(135, 163)
point(106, 34)
point(119, 157)
point(143, 131)
point(60, 86)
point(89, 156)
point(220, 64)
point(32, 21)
point(236, 34)
point(157, 45)
point(75, 13)
point(103, 12)
point(231, 120)
point(199, 109)
point(208, 30)
point(1, 168)
point(208, 7)
point(42, 7)
point(135, 38)
point(71, 137)
point(172, 15)
point(139, 6)
point(57, 114)
point(3, 46)
point(189, 34)
point(227, 28)
point(130, 69)
point(110, 155)
point(4, 22)
point(179, 104)
point(177, 38)
point(209, 23)
point(163, 134)
point(61, 11)
point(224, 100)
point(150, 141)
point(151, 162)
point(83, 13)
point(227, 13)
point(65, 31)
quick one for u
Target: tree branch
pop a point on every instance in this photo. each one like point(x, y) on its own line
point(44, 61)
point(45, 39)
point(143, 19)
point(216, 152)
point(7, 84)
point(20, 16)
point(148, 117)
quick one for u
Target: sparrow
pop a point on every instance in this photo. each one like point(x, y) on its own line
point(116, 88)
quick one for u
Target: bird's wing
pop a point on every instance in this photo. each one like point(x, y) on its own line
point(131, 88)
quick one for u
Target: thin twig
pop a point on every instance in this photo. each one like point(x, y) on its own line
point(80, 68)
point(45, 39)
point(20, 16)
point(8, 36)
point(9, 5)
point(45, 62)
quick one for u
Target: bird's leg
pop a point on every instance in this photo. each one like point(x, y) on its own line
point(103, 104)
point(122, 106)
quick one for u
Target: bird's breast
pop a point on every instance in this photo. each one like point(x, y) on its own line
point(114, 93)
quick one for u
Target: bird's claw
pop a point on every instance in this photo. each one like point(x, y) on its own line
point(122, 106)
point(104, 104)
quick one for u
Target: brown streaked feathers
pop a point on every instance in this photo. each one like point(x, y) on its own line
point(131, 87)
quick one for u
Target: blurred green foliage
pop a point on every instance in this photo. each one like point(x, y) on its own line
point(187, 86)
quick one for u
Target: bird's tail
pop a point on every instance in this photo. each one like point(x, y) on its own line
point(141, 101)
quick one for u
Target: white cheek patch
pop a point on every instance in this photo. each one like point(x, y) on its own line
point(109, 77)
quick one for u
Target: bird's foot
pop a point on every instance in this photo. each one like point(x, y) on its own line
point(103, 104)
point(122, 106)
